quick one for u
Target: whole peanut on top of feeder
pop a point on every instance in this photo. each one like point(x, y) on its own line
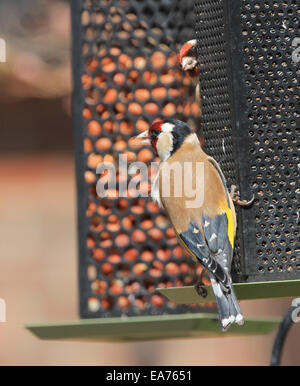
point(207, 230)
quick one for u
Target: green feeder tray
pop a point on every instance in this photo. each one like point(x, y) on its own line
point(142, 328)
point(244, 291)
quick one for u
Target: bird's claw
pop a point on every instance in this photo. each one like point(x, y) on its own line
point(201, 291)
point(235, 196)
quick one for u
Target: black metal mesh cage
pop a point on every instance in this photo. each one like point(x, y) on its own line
point(249, 72)
point(125, 76)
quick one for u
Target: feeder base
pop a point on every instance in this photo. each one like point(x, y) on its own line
point(143, 328)
point(243, 291)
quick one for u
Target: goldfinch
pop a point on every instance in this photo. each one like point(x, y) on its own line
point(187, 60)
point(206, 229)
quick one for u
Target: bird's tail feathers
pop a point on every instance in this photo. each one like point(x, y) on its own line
point(228, 306)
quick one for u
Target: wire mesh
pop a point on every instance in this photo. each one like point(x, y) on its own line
point(125, 76)
point(249, 75)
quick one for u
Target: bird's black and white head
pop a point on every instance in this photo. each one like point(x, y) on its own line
point(166, 137)
point(187, 58)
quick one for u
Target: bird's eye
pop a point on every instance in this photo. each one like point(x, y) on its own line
point(154, 133)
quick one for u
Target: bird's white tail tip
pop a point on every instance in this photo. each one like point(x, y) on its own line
point(226, 323)
point(239, 319)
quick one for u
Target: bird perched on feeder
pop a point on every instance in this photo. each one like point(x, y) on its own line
point(205, 221)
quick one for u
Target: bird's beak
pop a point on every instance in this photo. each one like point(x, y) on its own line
point(144, 138)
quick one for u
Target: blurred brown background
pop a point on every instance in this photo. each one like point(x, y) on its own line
point(38, 274)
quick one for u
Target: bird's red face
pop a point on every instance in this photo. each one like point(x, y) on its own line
point(186, 58)
point(150, 136)
point(154, 131)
